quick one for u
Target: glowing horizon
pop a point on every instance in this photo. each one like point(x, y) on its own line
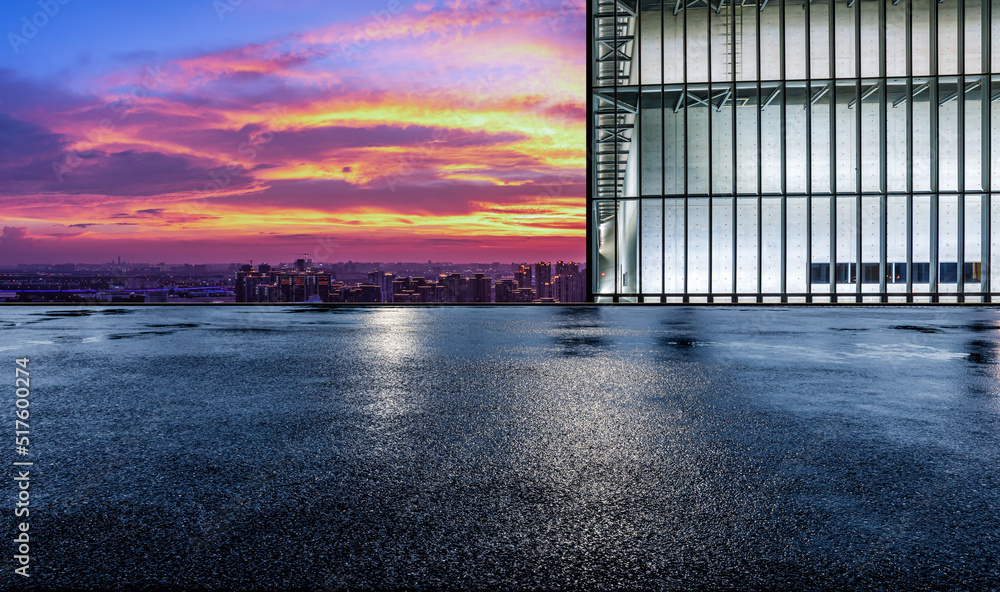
point(412, 131)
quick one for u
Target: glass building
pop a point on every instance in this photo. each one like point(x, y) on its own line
point(794, 150)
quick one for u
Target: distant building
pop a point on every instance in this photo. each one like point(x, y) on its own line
point(312, 285)
point(523, 276)
point(455, 288)
point(480, 288)
point(364, 293)
point(569, 287)
point(266, 293)
point(385, 282)
point(543, 279)
point(281, 286)
point(503, 291)
point(417, 290)
point(567, 267)
point(524, 295)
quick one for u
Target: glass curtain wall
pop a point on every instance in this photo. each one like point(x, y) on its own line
point(793, 150)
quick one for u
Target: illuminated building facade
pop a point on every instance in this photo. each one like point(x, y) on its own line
point(793, 150)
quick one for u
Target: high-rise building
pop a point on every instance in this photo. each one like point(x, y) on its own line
point(567, 267)
point(504, 290)
point(523, 276)
point(524, 295)
point(281, 286)
point(456, 288)
point(569, 287)
point(479, 288)
point(543, 279)
point(385, 282)
point(793, 150)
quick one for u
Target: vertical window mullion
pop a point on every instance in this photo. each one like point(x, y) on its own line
point(909, 97)
point(859, 247)
point(883, 156)
point(831, 20)
point(809, 187)
point(661, 80)
point(636, 144)
point(909, 150)
point(961, 38)
point(960, 288)
point(987, 150)
point(909, 247)
point(735, 153)
point(663, 157)
point(687, 156)
point(985, 247)
point(782, 181)
point(934, 38)
point(591, 150)
point(961, 170)
point(832, 51)
point(935, 222)
point(882, 246)
point(935, 153)
point(711, 141)
point(987, 42)
point(857, 155)
point(760, 175)
point(883, 105)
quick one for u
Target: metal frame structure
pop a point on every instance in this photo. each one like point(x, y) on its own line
point(854, 162)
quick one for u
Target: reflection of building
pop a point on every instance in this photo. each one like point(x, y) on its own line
point(793, 150)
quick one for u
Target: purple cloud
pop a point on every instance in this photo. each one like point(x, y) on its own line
point(127, 173)
point(15, 238)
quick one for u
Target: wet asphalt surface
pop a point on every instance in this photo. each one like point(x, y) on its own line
point(511, 448)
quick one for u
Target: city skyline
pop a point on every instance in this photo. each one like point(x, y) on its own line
point(302, 280)
point(404, 130)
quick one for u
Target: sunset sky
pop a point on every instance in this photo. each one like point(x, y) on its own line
point(225, 130)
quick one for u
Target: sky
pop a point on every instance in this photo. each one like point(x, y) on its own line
point(225, 130)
